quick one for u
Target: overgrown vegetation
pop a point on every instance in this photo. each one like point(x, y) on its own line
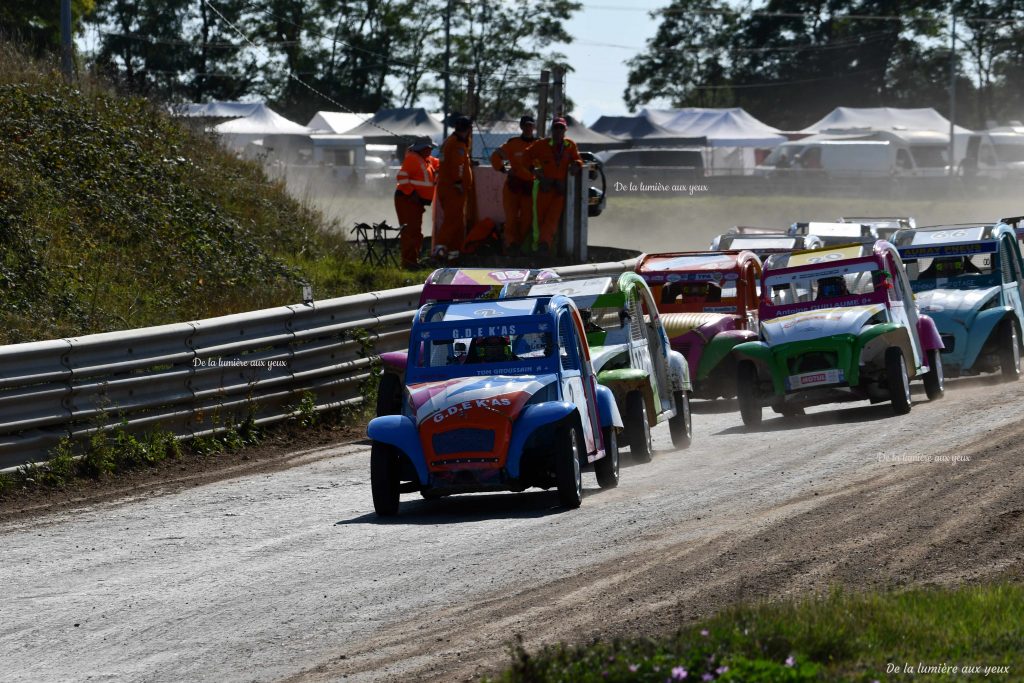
point(114, 216)
point(839, 637)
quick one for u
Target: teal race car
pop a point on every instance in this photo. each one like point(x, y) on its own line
point(969, 279)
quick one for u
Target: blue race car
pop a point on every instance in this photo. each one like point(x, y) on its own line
point(968, 279)
point(499, 396)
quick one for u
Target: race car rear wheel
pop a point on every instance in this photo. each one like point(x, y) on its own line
point(934, 379)
point(897, 379)
point(568, 467)
point(607, 468)
point(1009, 351)
point(639, 429)
point(389, 395)
point(681, 426)
point(747, 394)
point(384, 478)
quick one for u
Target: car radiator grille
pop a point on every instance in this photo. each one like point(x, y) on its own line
point(809, 362)
point(464, 441)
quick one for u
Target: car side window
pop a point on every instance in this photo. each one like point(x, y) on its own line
point(897, 282)
point(568, 351)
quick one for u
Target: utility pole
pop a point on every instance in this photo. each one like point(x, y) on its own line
point(67, 64)
point(952, 87)
point(558, 96)
point(542, 104)
point(447, 62)
point(471, 96)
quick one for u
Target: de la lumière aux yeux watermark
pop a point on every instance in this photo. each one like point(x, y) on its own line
point(640, 186)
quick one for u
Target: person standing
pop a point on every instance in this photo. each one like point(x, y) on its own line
point(552, 159)
point(413, 193)
point(517, 195)
point(454, 185)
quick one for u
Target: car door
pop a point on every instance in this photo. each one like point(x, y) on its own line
point(902, 306)
point(577, 383)
point(657, 349)
point(1010, 268)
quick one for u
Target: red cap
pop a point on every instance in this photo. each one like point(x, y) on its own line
point(559, 122)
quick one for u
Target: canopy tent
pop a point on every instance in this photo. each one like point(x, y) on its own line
point(731, 127)
point(217, 110)
point(883, 118)
point(398, 127)
point(237, 133)
point(339, 122)
point(640, 131)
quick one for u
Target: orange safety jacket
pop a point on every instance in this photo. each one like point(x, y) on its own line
point(455, 163)
point(417, 175)
point(514, 151)
point(553, 168)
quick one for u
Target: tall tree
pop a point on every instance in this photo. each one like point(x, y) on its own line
point(37, 24)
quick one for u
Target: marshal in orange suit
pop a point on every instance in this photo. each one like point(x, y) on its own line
point(454, 186)
point(552, 159)
point(517, 195)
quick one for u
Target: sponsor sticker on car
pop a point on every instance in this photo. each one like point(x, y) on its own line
point(815, 378)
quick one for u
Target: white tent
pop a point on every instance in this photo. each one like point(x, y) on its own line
point(237, 133)
point(905, 123)
point(883, 118)
point(339, 122)
point(732, 127)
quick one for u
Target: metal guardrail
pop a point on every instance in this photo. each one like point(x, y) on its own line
point(198, 378)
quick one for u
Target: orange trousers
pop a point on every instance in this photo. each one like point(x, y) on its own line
point(410, 214)
point(452, 231)
point(518, 216)
point(549, 214)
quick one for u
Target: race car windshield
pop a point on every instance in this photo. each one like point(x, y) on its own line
point(833, 283)
point(952, 272)
point(707, 292)
point(483, 350)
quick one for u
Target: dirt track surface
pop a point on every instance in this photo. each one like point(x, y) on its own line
point(287, 575)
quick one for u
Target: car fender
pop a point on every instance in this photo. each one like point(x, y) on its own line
point(720, 346)
point(532, 418)
point(394, 361)
point(928, 333)
point(984, 325)
point(896, 334)
point(608, 408)
point(400, 432)
point(679, 372)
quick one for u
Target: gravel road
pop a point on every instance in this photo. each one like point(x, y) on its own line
point(288, 575)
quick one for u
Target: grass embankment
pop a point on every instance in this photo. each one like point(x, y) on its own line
point(114, 216)
point(920, 634)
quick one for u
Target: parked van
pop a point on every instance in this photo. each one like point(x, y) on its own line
point(995, 154)
point(877, 154)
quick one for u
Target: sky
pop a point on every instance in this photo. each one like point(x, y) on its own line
point(607, 33)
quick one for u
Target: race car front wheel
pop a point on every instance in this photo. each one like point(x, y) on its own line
point(747, 395)
point(568, 467)
point(934, 380)
point(384, 474)
point(1009, 351)
point(681, 426)
point(607, 468)
point(640, 443)
point(899, 382)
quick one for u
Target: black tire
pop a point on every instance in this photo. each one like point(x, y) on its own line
point(638, 429)
point(607, 468)
point(681, 426)
point(1009, 351)
point(934, 379)
point(384, 478)
point(389, 395)
point(569, 467)
point(747, 394)
point(898, 380)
